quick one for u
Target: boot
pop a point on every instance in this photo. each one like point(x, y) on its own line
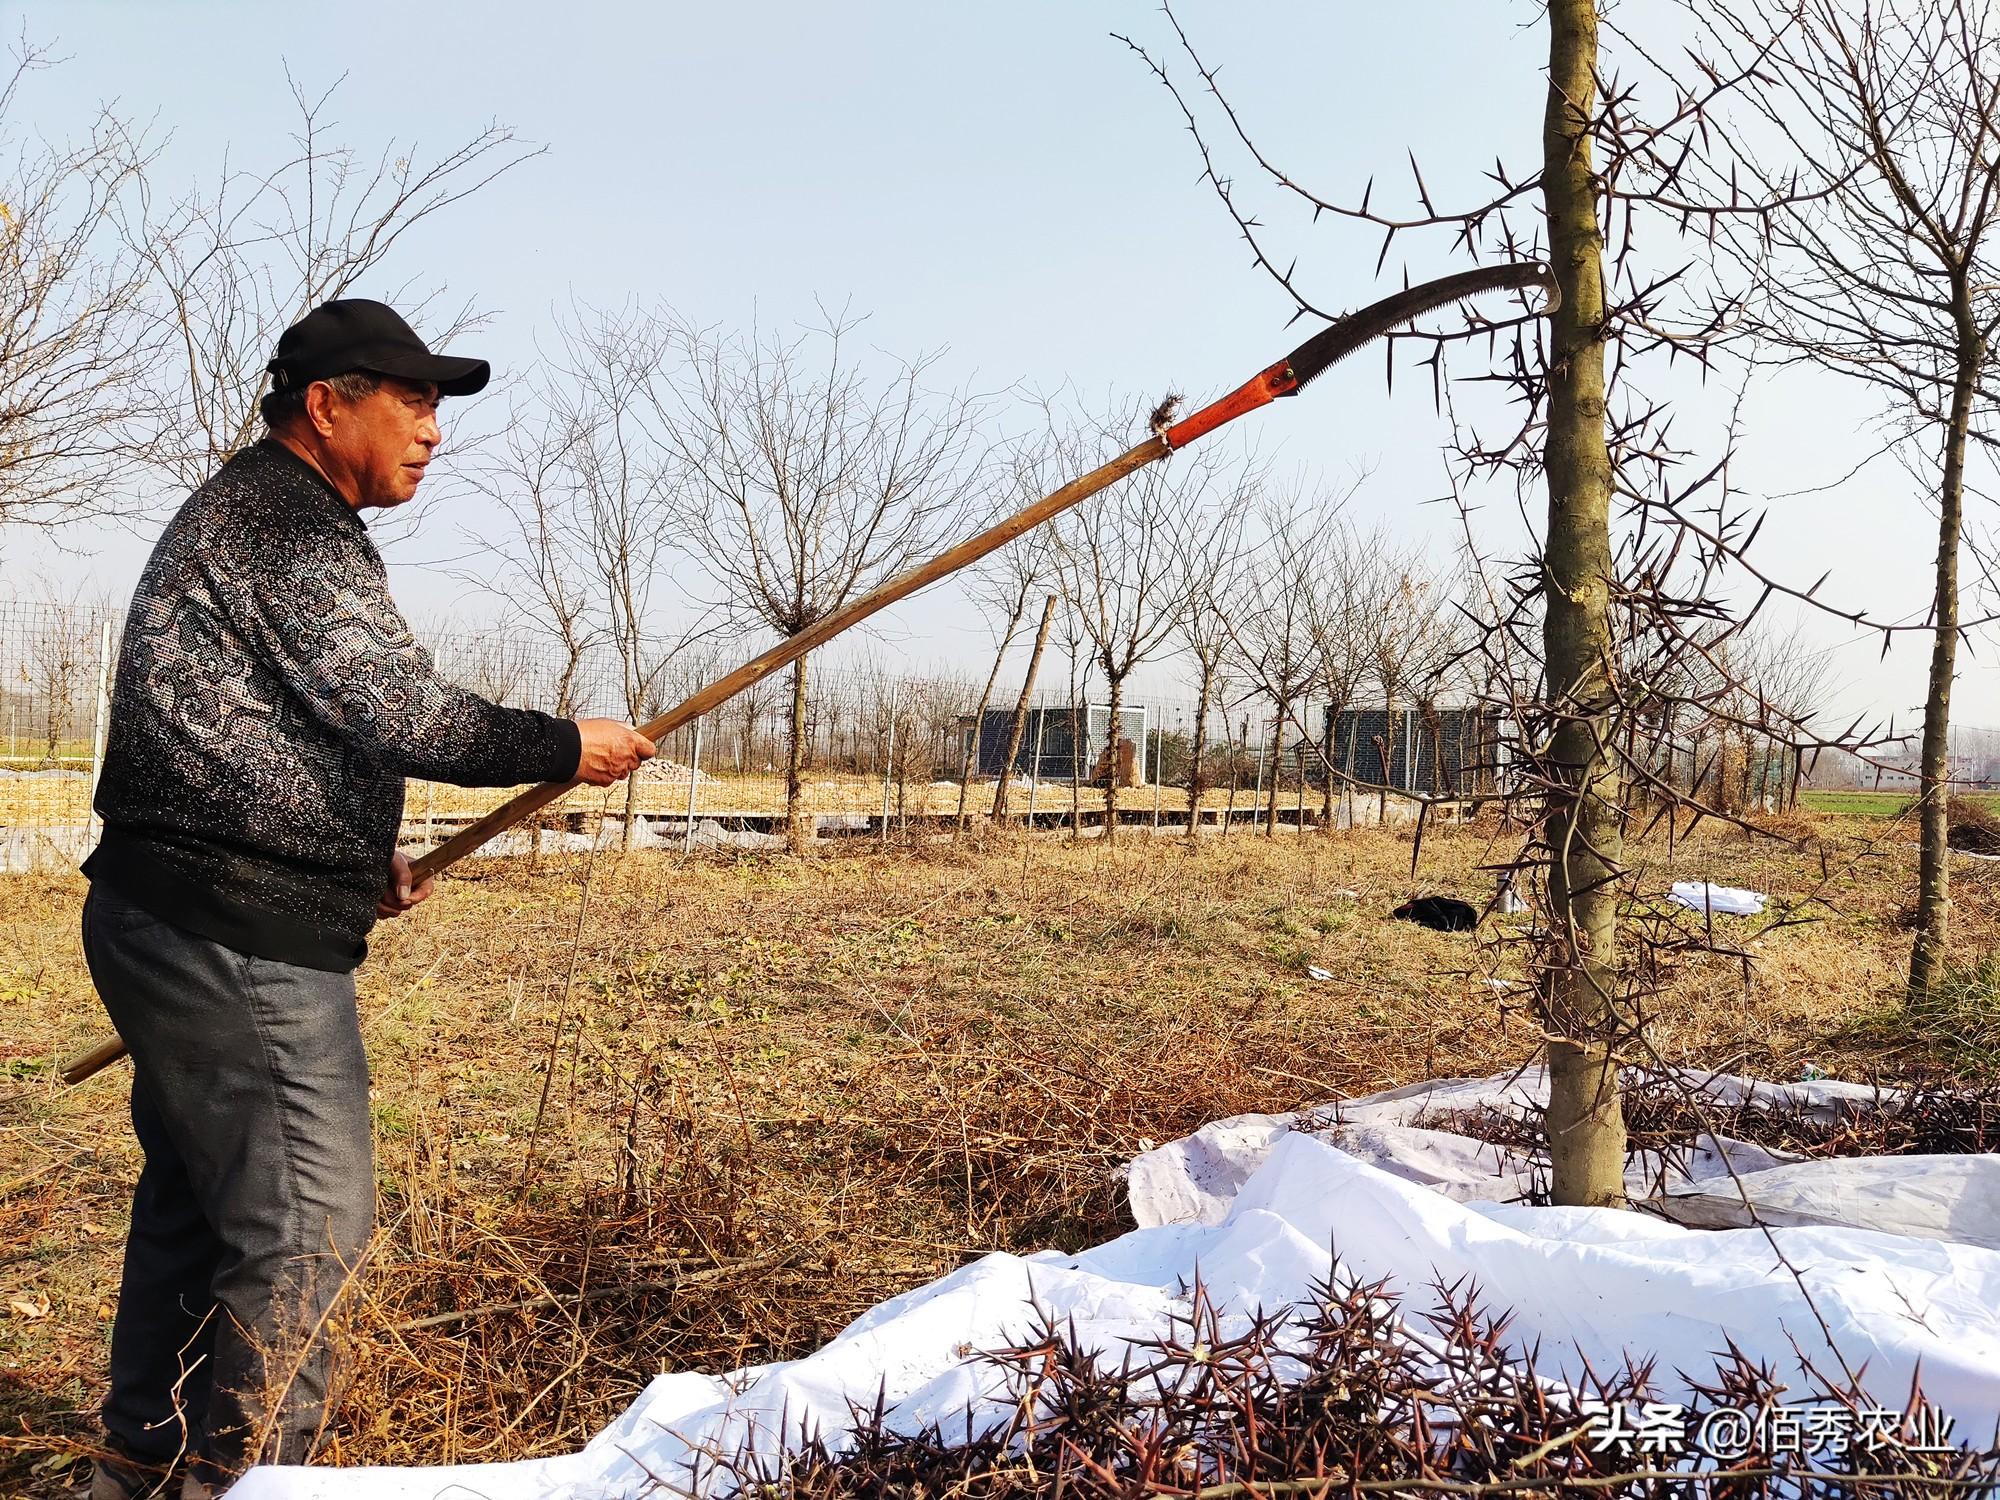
point(117, 1477)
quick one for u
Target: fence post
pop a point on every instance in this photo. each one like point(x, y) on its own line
point(1159, 762)
point(694, 770)
point(1257, 794)
point(100, 724)
point(888, 766)
point(1235, 772)
point(1035, 776)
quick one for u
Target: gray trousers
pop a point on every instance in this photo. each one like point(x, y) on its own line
point(250, 1101)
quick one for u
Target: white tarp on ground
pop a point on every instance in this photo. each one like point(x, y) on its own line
point(1583, 1283)
point(656, 833)
point(1723, 900)
point(1194, 1180)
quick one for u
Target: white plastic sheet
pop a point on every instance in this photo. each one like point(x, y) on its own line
point(1196, 1179)
point(1723, 900)
point(647, 833)
point(1583, 1283)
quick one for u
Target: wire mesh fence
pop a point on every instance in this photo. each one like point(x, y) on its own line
point(54, 695)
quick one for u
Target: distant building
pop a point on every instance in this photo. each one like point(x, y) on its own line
point(1049, 731)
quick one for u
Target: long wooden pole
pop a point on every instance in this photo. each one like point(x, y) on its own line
point(1020, 720)
point(526, 804)
point(1284, 378)
point(787, 651)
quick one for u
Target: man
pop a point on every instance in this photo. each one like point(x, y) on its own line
point(269, 702)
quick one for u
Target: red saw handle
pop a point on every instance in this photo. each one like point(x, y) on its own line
point(1260, 390)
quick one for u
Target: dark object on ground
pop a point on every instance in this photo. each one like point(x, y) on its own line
point(1439, 913)
point(1973, 828)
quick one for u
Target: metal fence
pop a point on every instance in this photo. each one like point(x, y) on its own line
point(55, 676)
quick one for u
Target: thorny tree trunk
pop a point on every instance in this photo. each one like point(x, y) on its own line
point(1078, 719)
point(1433, 722)
point(1927, 953)
point(1347, 767)
point(1586, 1123)
point(979, 714)
point(629, 648)
point(1326, 818)
point(1111, 760)
point(1277, 760)
point(797, 835)
point(1196, 745)
point(1388, 757)
point(1020, 724)
point(1235, 770)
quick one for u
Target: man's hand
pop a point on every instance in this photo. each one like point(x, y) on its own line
point(611, 751)
point(399, 897)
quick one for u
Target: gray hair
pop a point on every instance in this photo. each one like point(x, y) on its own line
point(278, 408)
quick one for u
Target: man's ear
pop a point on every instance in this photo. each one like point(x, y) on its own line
point(320, 404)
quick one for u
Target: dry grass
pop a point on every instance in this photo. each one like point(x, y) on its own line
point(779, 1091)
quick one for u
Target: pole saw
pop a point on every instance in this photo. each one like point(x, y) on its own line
point(1287, 377)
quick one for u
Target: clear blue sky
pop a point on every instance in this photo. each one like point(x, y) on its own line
point(1006, 181)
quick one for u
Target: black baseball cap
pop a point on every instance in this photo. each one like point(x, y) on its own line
point(354, 333)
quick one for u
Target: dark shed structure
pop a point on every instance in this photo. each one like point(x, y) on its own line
point(1050, 730)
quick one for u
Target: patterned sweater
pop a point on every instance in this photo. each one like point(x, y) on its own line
point(269, 702)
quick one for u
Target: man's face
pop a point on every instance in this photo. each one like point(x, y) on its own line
point(380, 444)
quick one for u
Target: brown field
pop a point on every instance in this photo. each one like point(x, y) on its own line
point(703, 1113)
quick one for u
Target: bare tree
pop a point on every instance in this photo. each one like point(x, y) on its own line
point(805, 479)
point(1211, 562)
point(500, 665)
point(233, 264)
point(697, 664)
point(1121, 559)
point(1750, 689)
point(1410, 643)
point(1342, 607)
point(1793, 681)
point(1003, 589)
point(1579, 431)
point(1017, 722)
point(1075, 642)
point(622, 523)
point(73, 332)
point(534, 567)
point(1890, 276)
point(751, 705)
point(61, 656)
point(1270, 621)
